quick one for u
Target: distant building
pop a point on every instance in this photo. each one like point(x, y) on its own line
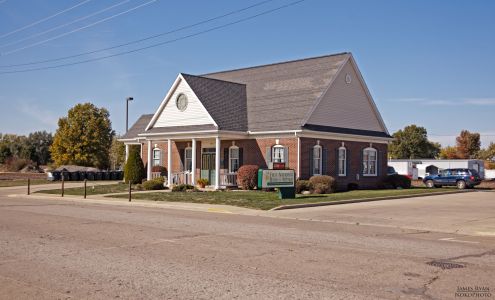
point(419, 168)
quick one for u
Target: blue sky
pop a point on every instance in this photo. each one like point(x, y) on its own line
point(429, 63)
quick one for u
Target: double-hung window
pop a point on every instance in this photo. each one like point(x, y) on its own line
point(317, 162)
point(278, 154)
point(157, 153)
point(233, 159)
point(342, 163)
point(188, 159)
point(369, 162)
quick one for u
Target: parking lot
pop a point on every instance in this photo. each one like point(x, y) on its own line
point(465, 213)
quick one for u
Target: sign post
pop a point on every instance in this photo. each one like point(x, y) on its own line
point(284, 180)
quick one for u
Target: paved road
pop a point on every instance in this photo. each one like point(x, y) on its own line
point(52, 249)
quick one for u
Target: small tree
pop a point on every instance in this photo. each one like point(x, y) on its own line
point(84, 137)
point(134, 168)
point(468, 144)
point(117, 154)
point(449, 152)
point(412, 142)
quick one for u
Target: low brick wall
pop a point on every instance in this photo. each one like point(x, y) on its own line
point(18, 175)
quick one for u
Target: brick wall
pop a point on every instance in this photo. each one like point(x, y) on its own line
point(354, 156)
point(254, 153)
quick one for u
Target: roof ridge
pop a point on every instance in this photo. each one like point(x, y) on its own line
point(203, 77)
point(272, 64)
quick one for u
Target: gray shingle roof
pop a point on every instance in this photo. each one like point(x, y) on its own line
point(279, 96)
point(138, 127)
point(225, 101)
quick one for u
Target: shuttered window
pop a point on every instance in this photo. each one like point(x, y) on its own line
point(233, 159)
point(188, 159)
point(278, 154)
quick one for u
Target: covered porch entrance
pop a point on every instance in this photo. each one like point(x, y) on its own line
point(187, 160)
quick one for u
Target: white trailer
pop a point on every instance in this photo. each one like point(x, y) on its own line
point(425, 167)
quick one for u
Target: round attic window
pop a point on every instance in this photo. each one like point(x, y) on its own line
point(181, 102)
point(348, 78)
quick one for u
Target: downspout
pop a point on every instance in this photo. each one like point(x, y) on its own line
point(298, 173)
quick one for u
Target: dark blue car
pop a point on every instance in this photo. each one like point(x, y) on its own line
point(462, 178)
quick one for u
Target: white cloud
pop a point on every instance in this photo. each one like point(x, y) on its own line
point(480, 101)
point(444, 102)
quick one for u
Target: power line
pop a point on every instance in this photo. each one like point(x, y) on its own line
point(158, 44)
point(78, 29)
point(44, 19)
point(64, 25)
point(142, 39)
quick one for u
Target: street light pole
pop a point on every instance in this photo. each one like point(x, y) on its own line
point(127, 113)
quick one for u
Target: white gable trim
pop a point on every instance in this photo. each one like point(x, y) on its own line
point(165, 100)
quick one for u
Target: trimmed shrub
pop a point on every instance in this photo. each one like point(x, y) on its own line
point(202, 182)
point(397, 181)
point(302, 185)
point(160, 169)
point(154, 184)
point(134, 168)
point(322, 184)
point(182, 188)
point(247, 177)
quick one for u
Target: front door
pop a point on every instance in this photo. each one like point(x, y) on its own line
point(208, 165)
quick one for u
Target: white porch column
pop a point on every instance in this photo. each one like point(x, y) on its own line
point(217, 163)
point(193, 162)
point(169, 162)
point(126, 152)
point(150, 159)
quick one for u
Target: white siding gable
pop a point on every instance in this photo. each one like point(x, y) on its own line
point(347, 105)
point(195, 113)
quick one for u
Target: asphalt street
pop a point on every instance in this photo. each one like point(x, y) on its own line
point(58, 249)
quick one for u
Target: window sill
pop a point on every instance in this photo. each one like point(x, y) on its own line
point(370, 175)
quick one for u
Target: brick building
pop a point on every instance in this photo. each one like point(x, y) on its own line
point(316, 115)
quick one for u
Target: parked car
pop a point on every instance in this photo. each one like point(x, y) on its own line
point(462, 178)
point(391, 171)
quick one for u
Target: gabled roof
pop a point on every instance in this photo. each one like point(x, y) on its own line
point(225, 101)
point(138, 127)
point(274, 97)
point(279, 96)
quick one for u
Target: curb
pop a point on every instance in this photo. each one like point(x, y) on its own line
point(294, 206)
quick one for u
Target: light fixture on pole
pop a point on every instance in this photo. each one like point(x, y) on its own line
point(127, 113)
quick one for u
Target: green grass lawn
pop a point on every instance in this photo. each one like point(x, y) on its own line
point(269, 200)
point(21, 182)
point(92, 189)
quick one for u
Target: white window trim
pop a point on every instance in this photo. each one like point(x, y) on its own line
point(230, 158)
point(185, 159)
point(376, 162)
point(320, 160)
point(345, 161)
point(283, 153)
point(159, 157)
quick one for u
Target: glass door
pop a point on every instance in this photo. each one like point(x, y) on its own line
point(208, 165)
